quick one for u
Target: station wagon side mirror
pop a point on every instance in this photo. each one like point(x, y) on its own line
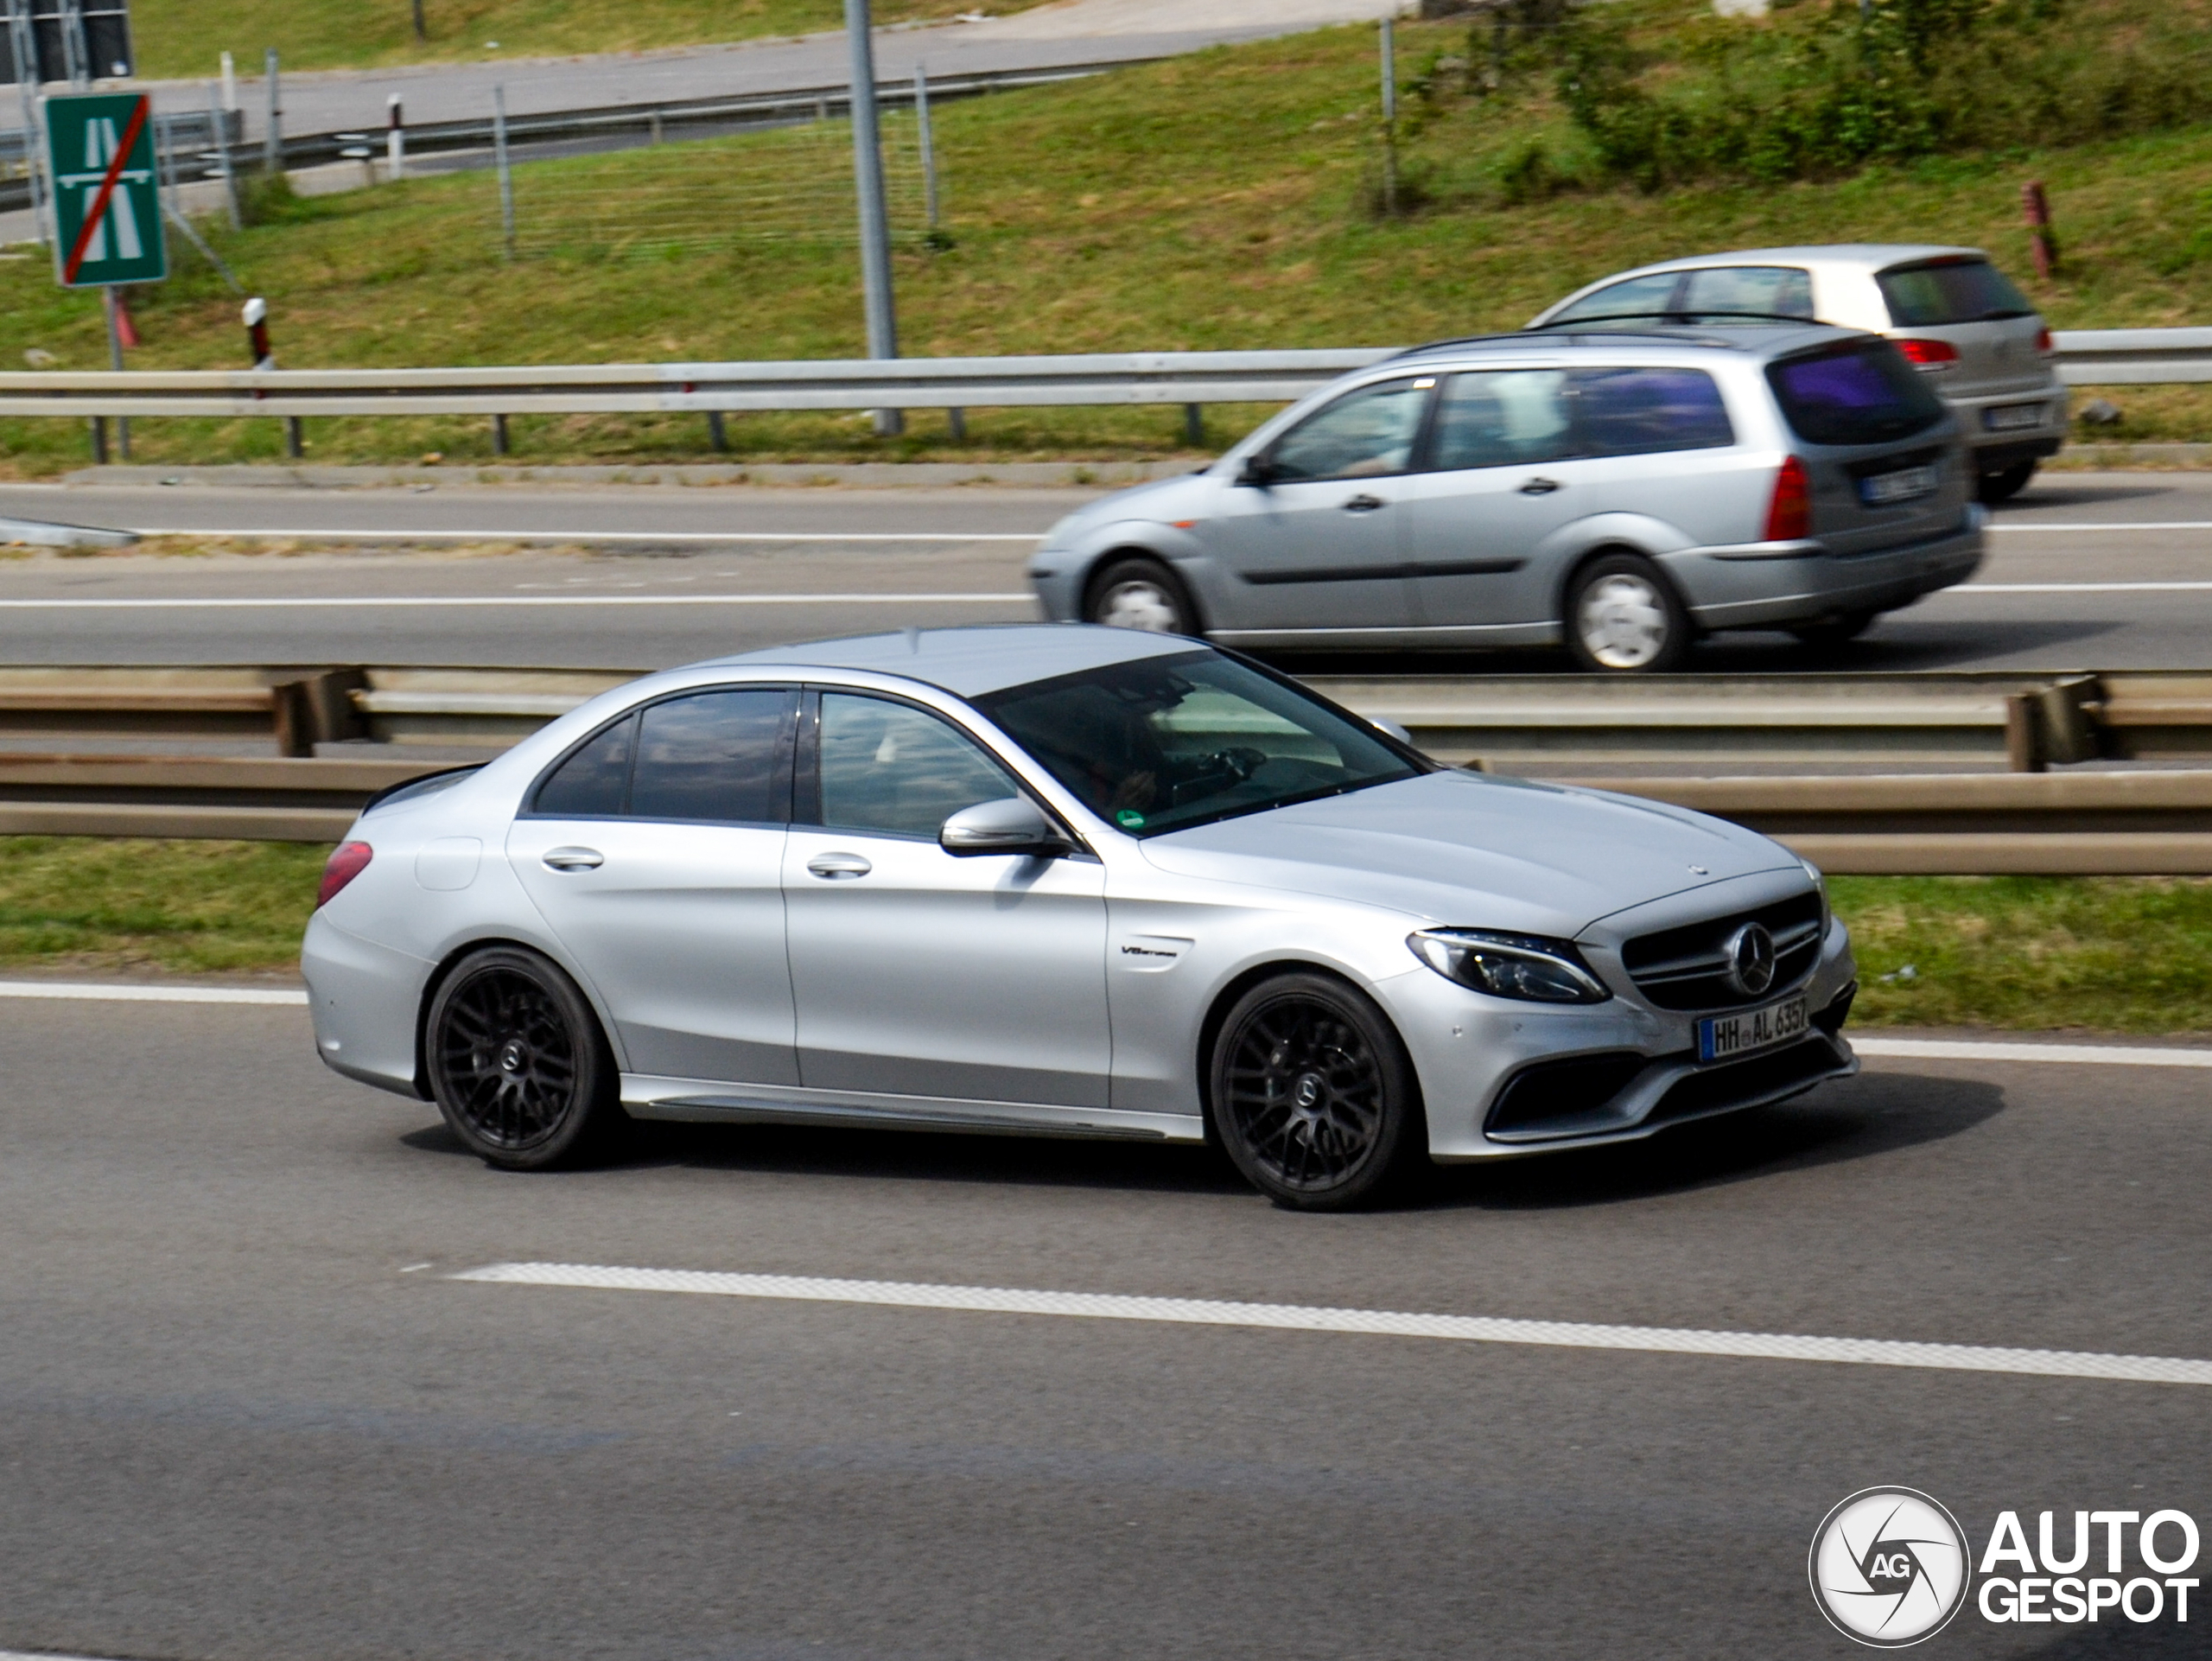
point(1015, 825)
point(1257, 471)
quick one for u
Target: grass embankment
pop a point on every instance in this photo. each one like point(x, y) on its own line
point(180, 38)
point(2029, 953)
point(1220, 201)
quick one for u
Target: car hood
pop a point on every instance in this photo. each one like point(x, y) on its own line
point(1162, 499)
point(1459, 848)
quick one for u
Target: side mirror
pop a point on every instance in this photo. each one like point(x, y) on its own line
point(1015, 825)
point(1257, 471)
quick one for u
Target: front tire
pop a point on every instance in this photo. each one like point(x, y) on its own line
point(2006, 483)
point(517, 1063)
point(1623, 618)
point(1313, 1098)
point(1140, 594)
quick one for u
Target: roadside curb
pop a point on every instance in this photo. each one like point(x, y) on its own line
point(864, 474)
point(2123, 458)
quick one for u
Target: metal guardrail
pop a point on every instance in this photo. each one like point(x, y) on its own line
point(2117, 823)
point(2085, 358)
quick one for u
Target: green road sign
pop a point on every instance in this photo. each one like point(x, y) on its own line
point(107, 204)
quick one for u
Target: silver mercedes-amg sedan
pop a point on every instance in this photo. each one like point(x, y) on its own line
point(1065, 880)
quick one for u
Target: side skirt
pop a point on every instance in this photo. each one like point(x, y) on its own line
point(700, 1100)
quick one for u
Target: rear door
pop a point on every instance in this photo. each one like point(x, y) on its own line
point(654, 852)
point(1322, 543)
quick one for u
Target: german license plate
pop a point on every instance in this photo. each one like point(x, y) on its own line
point(2006, 418)
point(1719, 1037)
point(1906, 484)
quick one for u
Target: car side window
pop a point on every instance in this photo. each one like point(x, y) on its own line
point(1640, 297)
point(1648, 411)
point(1501, 417)
point(1363, 434)
point(890, 769)
point(713, 755)
point(1771, 290)
point(594, 781)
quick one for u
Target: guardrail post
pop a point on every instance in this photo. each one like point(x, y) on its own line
point(99, 441)
point(2023, 747)
point(717, 434)
point(294, 718)
point(499, 435)
point(295, 443)
point(1194, 423)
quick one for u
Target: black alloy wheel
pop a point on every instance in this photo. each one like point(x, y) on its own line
point(2006, 483)
point(1141, 593)
point(1313, 1098)
point(517, 1063)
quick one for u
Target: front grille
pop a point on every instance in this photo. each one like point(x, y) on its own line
point(1686, 968)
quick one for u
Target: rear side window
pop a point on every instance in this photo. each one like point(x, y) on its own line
point(712, 755)
point(1648, 411)
point(1950, 291)
point(1859, 392)
point(1501, 417)
point(717, 756)
point(1748, 293)
point(1645, 297)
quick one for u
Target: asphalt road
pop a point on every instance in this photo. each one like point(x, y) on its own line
point(2096, 571)
point(249, 1415)
point(1081, 32)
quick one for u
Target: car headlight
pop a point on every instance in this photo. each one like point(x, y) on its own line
point(1526, 966)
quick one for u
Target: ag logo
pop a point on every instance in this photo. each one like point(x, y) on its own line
point(1889, 1566)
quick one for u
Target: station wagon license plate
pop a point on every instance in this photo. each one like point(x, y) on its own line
point(1905, 485)
point(2007, 417)
point(1719, 1037)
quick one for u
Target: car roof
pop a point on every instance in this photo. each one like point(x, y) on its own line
point(1760, 340)
point(1869, 256)
point(970, 662)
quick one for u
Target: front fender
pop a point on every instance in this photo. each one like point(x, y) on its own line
point(1061, 576)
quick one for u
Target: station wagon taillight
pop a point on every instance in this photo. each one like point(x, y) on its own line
point(347, 860)
point(1789, 515)
point(1930, 356)
point(2045, 344)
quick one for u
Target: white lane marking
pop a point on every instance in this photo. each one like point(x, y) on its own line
point(2111, 1056)
point(26, 1655)
point(2078, 588)
point(269, 602)
point(590, 536)
point(125, 992)
point(1479, 1329)
point(2129, 524)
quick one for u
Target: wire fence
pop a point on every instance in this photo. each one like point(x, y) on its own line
point(790, 185)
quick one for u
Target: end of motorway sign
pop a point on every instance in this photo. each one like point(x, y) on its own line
point(107, 204)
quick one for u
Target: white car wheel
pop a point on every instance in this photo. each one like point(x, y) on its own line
point(1141, 595)
point(1625, 620)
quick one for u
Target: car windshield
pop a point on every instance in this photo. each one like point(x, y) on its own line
point(1950, 291)
point(1857, 392)
point(1170, 742)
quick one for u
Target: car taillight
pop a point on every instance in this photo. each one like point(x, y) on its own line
point(1933, 356)
point(347, 860)
point(2045, 344)
point(1789, 516)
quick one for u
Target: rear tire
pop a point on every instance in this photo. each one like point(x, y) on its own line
point(1313, 1098)
point(2006, 483)
point(1142, 593)
point(1836, 631)
point(517, 1063)
point(1623, 618)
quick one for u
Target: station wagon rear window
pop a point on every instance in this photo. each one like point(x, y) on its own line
point(1856, 393)
point(1950, 291)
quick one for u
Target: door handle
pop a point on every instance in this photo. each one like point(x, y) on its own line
point(838, 868)
point(1364, 503)
point(1540, 486)
point(575, 859)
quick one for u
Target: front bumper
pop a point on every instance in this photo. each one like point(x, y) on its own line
point(1772, 586)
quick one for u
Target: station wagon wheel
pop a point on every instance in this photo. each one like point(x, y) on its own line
point(1140, 594)
point(1836, 631)
point(517, 1061)
point(1313, 1098)
point(1623, 617)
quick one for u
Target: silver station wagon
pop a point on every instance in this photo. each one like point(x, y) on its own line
point(1063, 881)
point(1955, 316)
point(1619, 489)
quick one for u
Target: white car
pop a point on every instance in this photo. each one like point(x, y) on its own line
point(1951, 312)
point(1065, 881)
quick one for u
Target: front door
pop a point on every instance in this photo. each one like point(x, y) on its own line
point(917, 974)
point(1319, 545)
point(655, 854)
